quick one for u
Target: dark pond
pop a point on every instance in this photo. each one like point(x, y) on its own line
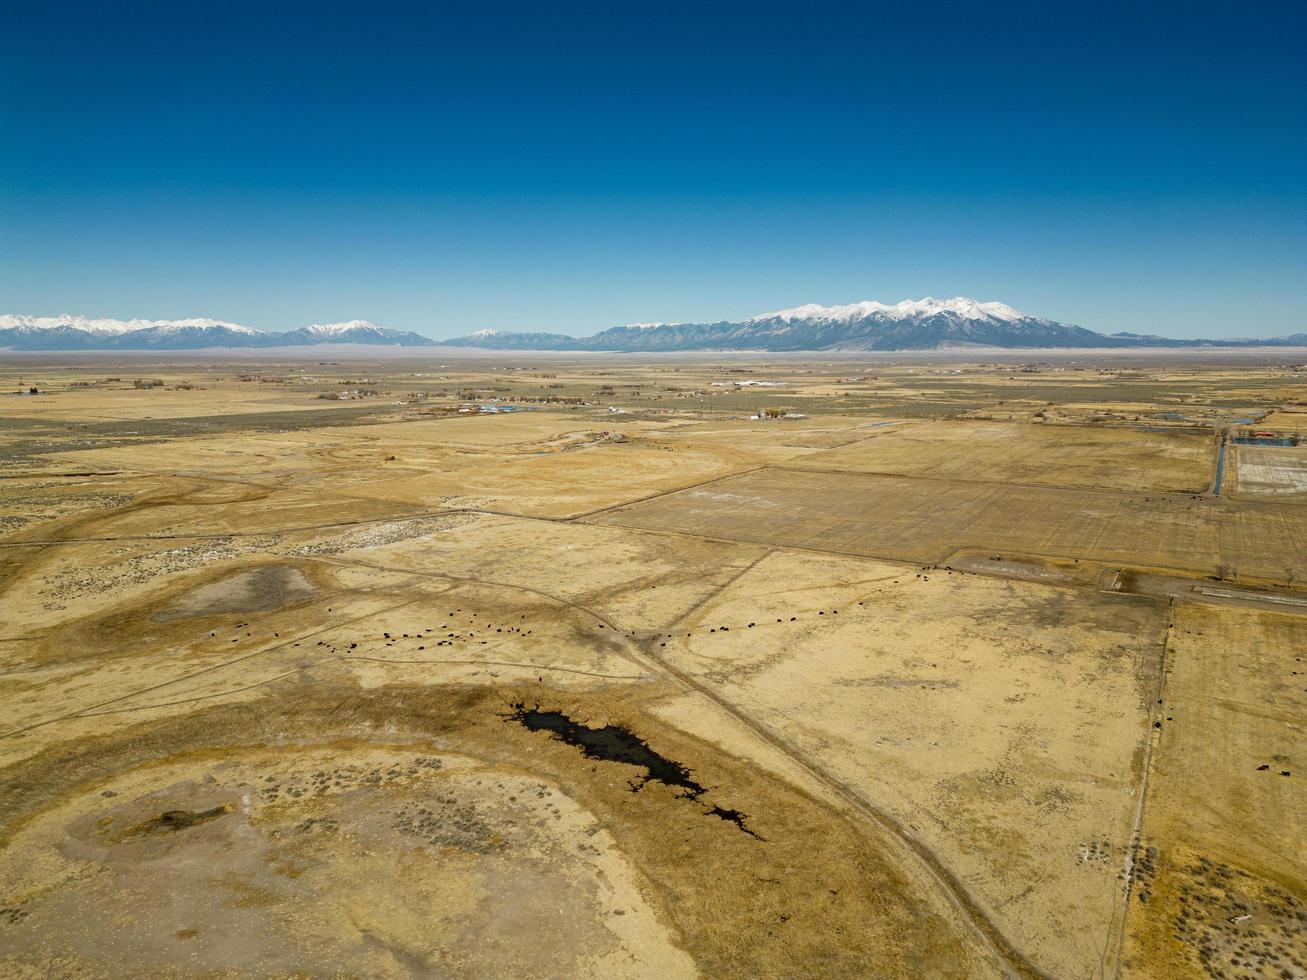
point(612, 743)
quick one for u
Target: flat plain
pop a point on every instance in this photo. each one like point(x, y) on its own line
point(648, 667)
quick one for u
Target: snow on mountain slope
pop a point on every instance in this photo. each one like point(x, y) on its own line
point(929, 323)
point(196, 323)
point(70, 332)
point(328, 329)
point(108, 327)
point(961, 306)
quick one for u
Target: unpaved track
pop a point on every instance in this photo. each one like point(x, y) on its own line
point(641, 653)
point(911, 851)
point(1155, 710)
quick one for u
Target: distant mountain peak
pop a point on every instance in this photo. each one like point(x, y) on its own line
point(962, 306)
point(73, 332)
point(343, 327)
point(911, 324)
point(107, 327)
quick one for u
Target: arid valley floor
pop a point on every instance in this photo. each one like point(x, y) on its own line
point(634, 667)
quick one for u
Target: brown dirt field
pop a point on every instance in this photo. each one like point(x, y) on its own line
point(925, 521)
point(1113, 458)
point(1270, 472)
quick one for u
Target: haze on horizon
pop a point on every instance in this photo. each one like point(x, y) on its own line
point(575, 167)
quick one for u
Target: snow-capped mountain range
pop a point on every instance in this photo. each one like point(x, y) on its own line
point(114, 327)
point(84, 333)
point(924, 324)
point(967, 309)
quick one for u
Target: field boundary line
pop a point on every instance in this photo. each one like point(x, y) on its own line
point(663, 493)
point(798, 468)
point(1154, 711)
point(949, 885)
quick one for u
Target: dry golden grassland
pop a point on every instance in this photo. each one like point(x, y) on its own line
point(1080, 456)
point(961, 669)
point(927, 520)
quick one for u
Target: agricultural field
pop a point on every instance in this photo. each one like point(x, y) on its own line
point(925, 521)
point(1081, 456)
point(1271, 471)
point(651, 667)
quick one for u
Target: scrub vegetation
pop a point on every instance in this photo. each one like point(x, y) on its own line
point(649, 667)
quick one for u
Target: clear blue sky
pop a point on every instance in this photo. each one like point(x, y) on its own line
point(444, 167)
